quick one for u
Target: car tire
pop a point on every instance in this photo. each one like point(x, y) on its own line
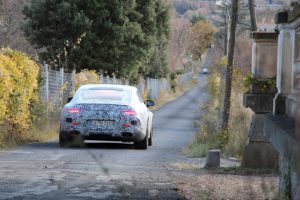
point(142, 144)
point(63, 141)
point(150, 138)
point(76, 141)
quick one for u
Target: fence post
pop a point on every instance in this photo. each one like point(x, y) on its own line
point(73, 81)
point(114, 79)
point(149, 88)
point(101, 77)
point(62, 84)
point(46, 78)
point(158, 88)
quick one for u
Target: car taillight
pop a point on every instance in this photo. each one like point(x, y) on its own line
point(72, 110)
point(129, 112)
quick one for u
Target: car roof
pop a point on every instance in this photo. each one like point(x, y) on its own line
point(107, 86)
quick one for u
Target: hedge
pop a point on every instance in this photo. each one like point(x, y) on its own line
point(18, 91)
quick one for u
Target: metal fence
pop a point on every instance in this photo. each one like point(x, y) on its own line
point(59, 85)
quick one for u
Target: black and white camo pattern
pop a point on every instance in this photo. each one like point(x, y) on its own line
point(97, 112)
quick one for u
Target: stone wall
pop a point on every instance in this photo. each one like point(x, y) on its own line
point(282, 127)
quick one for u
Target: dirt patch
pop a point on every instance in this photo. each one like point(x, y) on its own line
point(203, 184)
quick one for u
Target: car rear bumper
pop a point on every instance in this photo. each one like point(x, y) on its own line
point(136, 135)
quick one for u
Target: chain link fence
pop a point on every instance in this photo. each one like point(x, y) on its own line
point(59, 85)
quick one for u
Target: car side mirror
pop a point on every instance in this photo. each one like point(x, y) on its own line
point(150, 103)
point(69, 99)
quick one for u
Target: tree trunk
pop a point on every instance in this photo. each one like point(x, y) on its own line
point(226, 36)
point(251, 4)
point(229, 67)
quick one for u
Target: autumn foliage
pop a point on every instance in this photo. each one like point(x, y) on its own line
point(86, 77)
point(18, 91)
point(200, 38)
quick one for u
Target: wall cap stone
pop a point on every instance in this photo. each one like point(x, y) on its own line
point(288, 16)
point(256, 35)
point(259, 103)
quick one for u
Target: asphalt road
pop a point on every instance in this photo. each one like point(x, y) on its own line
point(105, 170)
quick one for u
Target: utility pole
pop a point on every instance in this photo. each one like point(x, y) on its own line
point(229, 67)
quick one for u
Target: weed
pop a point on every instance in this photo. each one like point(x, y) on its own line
point(233, 141)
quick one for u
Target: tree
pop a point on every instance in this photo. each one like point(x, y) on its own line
point(179, 42)
point(229, 67)
point(115, 36)
point(11, 20)
point(251, 4)
point(200, 37)
point(196, 18)
point(158, 32)
point(181, 6)
point(223, 21)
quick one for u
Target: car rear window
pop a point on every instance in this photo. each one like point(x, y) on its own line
point(100, 95)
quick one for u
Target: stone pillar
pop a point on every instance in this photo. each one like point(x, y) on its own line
point(295, 78)
point(259, 153)
point(284, 72)
point(264, 51)
point(282, 128)
point(213, 159)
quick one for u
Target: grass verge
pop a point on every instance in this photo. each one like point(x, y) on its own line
point(232, 142)
point(35, 134)
point(43, 134)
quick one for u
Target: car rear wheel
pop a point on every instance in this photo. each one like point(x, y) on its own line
point(75, 141)
point(63, 142)
point(143, 144)
point(150, 138)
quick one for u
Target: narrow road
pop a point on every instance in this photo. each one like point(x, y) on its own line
point(105, 170)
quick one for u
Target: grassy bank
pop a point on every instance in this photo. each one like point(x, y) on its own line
point(231, 143)
point(35, 134)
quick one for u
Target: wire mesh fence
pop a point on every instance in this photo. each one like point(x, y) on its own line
point(59, 85)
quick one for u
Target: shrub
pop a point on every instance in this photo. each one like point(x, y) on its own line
point(173, 78)
point(18, 92)
point(86, 77)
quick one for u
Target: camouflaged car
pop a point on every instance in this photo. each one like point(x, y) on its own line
point(106, 112)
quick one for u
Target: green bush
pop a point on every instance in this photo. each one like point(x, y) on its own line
point(173, 78)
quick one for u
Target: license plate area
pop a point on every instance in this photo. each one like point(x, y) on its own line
point(102, 123)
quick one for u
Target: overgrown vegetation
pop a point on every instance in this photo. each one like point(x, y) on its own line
point(86, 77)
point(233, 141)
point(200, 37)
point(18, 95)
point(263, 85)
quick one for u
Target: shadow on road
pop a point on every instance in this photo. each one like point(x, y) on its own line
point(88, 145)
point(105, 145)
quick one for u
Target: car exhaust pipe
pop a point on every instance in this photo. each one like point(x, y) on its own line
point(126, 134)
